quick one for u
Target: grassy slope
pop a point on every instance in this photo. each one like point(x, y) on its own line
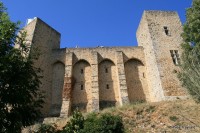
point(173, 116)
point(180, 116)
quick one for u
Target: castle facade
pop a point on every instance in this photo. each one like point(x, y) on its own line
point(91, 79)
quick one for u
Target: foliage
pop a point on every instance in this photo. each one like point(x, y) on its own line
point(45, 128)
point(75, 124)
point(20, 98)
point(190, 75)
point(105, 123)
point(173, 118)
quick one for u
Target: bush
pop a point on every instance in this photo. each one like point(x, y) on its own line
point(75, 124)
point(45, 128)
point(105, 123)
point(173, 118)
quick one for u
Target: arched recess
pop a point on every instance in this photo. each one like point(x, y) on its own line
point(57, 87)
point(81, 92)
point(108, 94)
point(135, 80)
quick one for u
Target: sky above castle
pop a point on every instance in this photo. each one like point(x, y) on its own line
point(92, 23)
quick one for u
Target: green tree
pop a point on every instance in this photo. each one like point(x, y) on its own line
point(190, 74)
point(75, 125)
point(20, 98)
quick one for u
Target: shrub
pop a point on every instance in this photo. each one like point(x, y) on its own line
point(75, 124)
point(45, 128)
point(105, 123)
point(173, 118)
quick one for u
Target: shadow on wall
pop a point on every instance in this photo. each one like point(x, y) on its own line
point(82, 85)
point(107, 81)
point(135, 80)
point(57, 87)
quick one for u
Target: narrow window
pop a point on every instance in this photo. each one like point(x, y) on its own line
point(143, 75)
point(106, 70)
point(166, 30)
point(107, 86)
point(81, 71)
point(81, 86)
point(175, 57)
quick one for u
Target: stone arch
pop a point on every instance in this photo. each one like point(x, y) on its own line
point(81, 92)
point(108, 94)
point(135, 79)
point(57, 87)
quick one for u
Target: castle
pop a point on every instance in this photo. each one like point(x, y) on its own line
point(91, 79)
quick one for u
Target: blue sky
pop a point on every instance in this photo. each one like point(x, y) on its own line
point(89, 23)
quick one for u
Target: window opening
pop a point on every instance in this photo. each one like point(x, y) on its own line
point(175, 57)
point(166, 30)
point(81, 86)
point(107, 86)
point(81, 71)
point(143, 75)
point(106, 70)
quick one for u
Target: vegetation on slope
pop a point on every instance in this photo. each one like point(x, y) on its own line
point(163, 117)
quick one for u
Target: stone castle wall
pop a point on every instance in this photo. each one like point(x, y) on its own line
point(95, 78)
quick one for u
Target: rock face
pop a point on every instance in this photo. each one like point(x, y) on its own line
point(95, 78)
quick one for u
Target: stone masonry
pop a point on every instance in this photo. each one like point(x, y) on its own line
point(92, 79)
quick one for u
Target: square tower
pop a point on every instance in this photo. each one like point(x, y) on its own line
point(159, 33)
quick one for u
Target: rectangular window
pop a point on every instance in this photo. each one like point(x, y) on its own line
point(175, 57)
point(82, 87)
point(143, 75)
point(82, 71)
point(107, 86)
point(106, 70)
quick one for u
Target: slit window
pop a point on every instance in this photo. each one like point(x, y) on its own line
point(175, 57)
point(143, 75)
point(82, 71)
point(107, 86)
point(166, 30)
point(106, 70)
point(82, 87)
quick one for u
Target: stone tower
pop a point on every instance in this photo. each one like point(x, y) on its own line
point(43, 40)
point(159, 33)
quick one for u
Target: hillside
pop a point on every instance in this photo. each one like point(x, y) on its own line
point(180, 116)
point(163, 117)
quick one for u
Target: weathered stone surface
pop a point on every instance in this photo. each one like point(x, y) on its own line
point(93, 78)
